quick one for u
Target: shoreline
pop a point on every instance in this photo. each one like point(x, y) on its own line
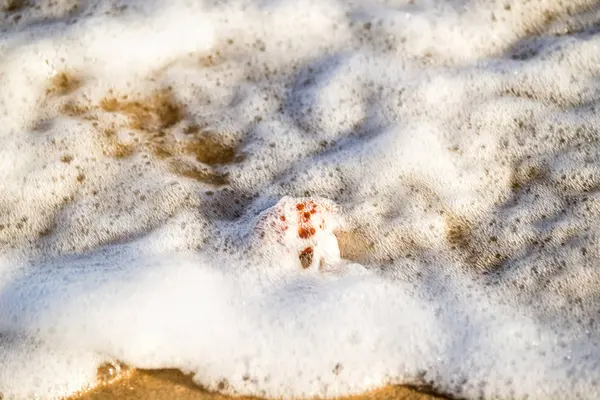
point(167, 384)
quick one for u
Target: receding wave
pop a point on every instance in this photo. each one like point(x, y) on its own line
point(301, 198)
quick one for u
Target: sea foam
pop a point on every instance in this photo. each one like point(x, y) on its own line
point(160, 163)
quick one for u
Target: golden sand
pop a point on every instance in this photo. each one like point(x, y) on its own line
point(172, 384)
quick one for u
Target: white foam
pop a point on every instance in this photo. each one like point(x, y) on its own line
point(450, 146)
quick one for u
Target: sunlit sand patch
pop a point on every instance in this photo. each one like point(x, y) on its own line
point(167, 384)
point(484, 257)
point(153, 124)
point(458, 231)
point(13, 5)
point(208, 148)
point(73, 109)
point(150, 114)
point(64, 83)
point(153, 116)
point(198, 173)
point(355, 245)
point(525, 174)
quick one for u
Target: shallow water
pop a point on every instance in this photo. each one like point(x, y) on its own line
point(301, 198)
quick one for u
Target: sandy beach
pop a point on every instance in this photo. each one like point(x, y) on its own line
point(172, 384)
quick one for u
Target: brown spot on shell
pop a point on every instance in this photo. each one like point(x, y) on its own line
point(307, 250)
point(306, 257)
point(304, 233)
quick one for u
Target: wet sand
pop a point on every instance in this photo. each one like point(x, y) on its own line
point(172, 384)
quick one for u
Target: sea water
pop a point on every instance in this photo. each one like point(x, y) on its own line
point(302, 198)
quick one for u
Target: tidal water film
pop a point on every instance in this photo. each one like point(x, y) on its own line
point(301, 198)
